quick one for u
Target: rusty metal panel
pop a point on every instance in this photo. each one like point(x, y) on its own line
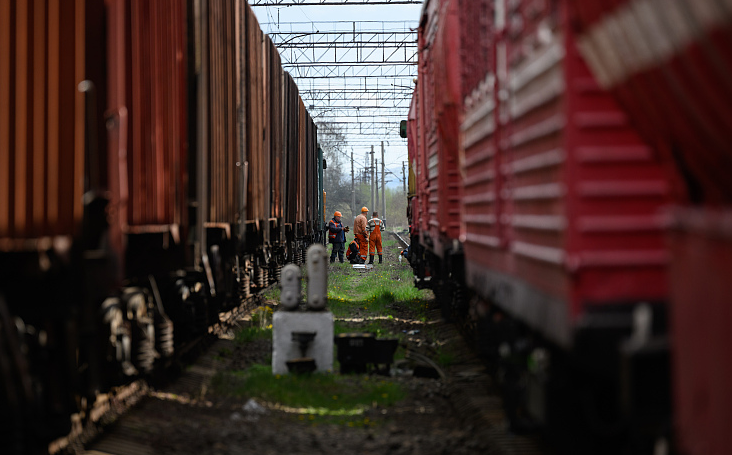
point(302, 163)
point(255, 120)
point(148, 96)
point(42, 139)
point(278, 138)
point(265, 166)
point(224, 175)
point(311, 171)
point(276, 131)
point(291, 115)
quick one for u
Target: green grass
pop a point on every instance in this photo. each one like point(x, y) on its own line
point(375, 292)
point(373, 299)
point(272, 293)
point(321, 396)
point(251, 333)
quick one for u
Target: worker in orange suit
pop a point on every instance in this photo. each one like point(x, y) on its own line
point(359, 230)
point(374, 227)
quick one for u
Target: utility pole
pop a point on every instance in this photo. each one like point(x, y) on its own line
point(383, 184)
point(404, 177)
point(372, 176)
point(376, 169)
point(353, 188)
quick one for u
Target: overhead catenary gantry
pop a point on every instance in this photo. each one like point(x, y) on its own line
point(350, 71)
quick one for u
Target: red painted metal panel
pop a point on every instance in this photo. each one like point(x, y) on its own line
point(441, 91)
point(560, 193)
point(701, 247)
point(668, 64)
point(414, 213)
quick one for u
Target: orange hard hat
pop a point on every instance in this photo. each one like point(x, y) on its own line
point(337, 214)
point(364, 209)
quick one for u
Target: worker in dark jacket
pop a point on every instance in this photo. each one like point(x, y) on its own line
point(337, 236)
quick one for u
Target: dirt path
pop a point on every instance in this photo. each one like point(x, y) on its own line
point(452, 415)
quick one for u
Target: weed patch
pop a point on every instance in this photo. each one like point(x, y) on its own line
point(251, 333)
point(316, 395)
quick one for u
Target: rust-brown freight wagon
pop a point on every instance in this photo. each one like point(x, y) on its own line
point(302, 171)
point(52, 80)
point(44, 135)
point(256, 156)
point(307, 202)
point(219, 162)
point(275, 132)
point(291, 115)
point(148, 147)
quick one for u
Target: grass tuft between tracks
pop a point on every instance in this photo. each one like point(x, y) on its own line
point(371, 298)
point(319, 396)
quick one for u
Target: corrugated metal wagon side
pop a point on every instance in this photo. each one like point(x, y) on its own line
point(148, 151)
point(43, 57)
point(440, 34)
point(668, 64)
point(290, 119)
point(224, 200)
point(256, 156)
point(561, 204)
point(276, 132)
point(54, 262)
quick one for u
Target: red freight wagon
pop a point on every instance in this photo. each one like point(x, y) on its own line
point(668, 65)
point(560, 192)
point(561, 204)
point(413, 209)
point(561, 233)
point(439, 89)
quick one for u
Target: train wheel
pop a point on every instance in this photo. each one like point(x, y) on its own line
point(16, 393)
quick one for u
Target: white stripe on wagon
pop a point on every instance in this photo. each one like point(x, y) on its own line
point(645, 33)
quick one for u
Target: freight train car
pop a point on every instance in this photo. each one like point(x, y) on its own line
point(537, 220)
point(668, 63)
point(157, 167)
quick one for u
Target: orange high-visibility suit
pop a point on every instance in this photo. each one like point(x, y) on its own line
point(359, 230)
point(374, 228)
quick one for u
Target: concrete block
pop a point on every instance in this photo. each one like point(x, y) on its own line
point(284, 323)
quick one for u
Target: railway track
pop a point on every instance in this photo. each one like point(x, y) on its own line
point(402, 242)
point(109, 407)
